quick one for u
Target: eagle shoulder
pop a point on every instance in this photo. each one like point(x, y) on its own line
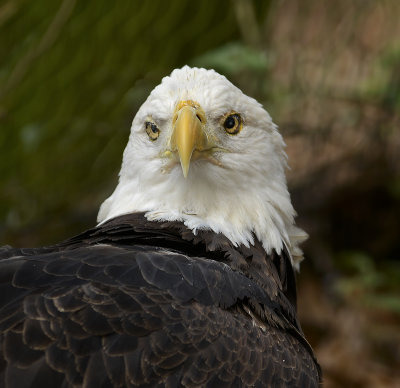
point(133, 303)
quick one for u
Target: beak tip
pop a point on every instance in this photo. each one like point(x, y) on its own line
point(185, 170)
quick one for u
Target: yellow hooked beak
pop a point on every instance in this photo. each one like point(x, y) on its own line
point(188, 133)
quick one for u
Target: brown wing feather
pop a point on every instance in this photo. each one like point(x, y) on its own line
point(135, 303)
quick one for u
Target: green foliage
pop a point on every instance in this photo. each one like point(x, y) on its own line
point(391, 63)
point(368, 284)
point(384, 86)
point(233, 58)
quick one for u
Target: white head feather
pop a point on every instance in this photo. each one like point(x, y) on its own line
point(244, 194)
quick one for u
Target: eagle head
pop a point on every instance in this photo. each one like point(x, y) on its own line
point(202, 152)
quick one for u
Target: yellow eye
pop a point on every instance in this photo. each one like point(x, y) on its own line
point(152, 130)
point(233, 123)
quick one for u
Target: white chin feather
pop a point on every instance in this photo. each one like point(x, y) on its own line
point(244, 199)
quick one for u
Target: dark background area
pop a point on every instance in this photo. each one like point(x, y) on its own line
point(73, 74)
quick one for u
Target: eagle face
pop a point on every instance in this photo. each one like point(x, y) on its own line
point(196, 118)
point(202, 152)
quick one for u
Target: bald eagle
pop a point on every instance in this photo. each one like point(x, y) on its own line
point(188, 278)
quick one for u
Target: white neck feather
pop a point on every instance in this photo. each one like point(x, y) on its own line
point(240, 210)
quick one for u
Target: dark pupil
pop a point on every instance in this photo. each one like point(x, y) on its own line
point(230, 122)
point(152, 126)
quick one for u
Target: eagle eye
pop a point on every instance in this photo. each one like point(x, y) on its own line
point(233, 123)
point(152, 130)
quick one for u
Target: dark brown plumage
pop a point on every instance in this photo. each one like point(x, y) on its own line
point(138, 303)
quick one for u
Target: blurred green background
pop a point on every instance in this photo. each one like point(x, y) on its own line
point(73, 74)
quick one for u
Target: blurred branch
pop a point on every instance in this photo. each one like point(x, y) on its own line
point(45, 43)
point(7, 10)
point(248, 25)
